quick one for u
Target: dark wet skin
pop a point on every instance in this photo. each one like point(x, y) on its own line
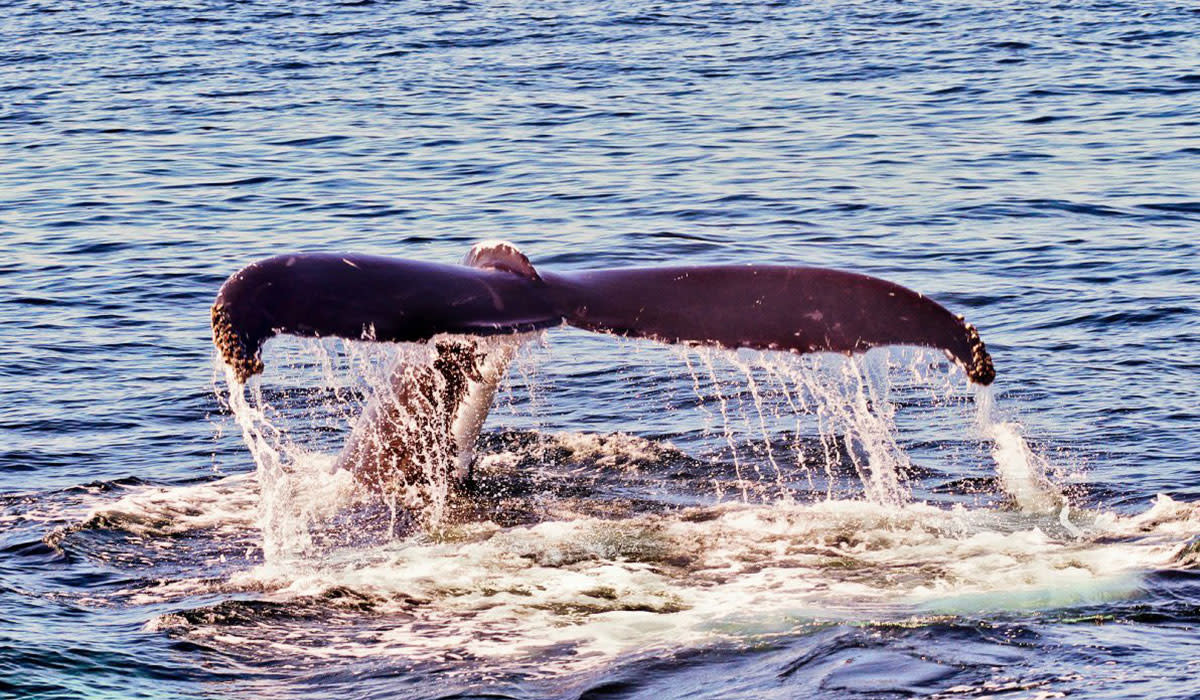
point(768, 307)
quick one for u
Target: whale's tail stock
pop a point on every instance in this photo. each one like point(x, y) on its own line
point(498, 292)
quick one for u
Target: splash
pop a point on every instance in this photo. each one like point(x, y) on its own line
point(298, 489)
point(837, 399)
point(1023, 474)
point(403, 416)
point(788, 426)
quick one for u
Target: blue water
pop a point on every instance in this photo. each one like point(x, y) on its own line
point(1034, 166)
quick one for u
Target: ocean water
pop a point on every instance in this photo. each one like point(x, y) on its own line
point(649, 521)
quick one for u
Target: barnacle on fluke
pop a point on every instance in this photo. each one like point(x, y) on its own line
point(980, 368)
point(237, 351)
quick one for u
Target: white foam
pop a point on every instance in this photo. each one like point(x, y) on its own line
point(598, 588)
point(612, 450)
point(602, 588)
point(226, 505)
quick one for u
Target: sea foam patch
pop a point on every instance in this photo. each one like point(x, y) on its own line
point(589, 590)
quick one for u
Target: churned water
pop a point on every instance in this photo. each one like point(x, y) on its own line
point(647, 521)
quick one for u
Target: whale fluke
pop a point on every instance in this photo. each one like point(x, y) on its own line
point(799, 309)
point(422, 423)
point(364, 297)
point(498, 291)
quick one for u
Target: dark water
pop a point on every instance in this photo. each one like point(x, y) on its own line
point(1034, 166)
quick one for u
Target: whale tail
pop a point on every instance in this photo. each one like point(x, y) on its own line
point(498, 292)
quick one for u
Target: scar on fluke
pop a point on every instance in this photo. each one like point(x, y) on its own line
point(497, 292)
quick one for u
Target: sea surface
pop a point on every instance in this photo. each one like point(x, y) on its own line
point(647, 521)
